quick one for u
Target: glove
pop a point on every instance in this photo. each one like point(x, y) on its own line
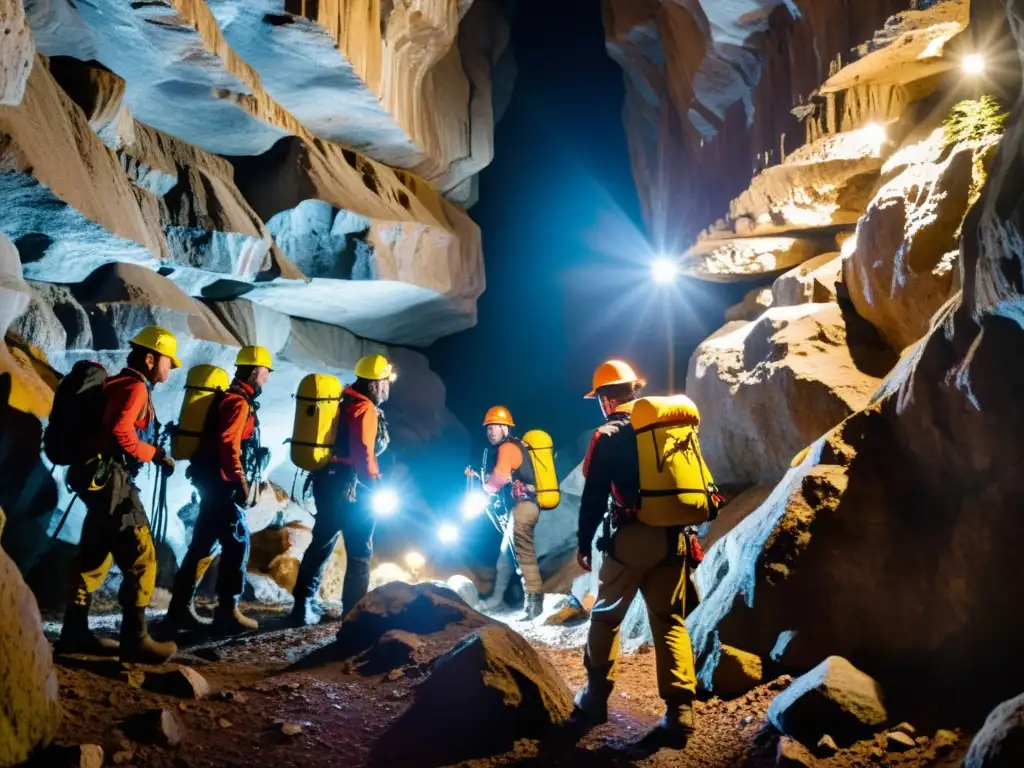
point(165, 462)
point(584, 560)
point(241, 494)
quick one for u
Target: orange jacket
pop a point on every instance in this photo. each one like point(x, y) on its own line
point(359, 423)
point(235, 423)
point(510, 458)
point(127, 409)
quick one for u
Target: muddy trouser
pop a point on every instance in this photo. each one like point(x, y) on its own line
point(525, 515)
point(651, 561)
point(353, 520)
point(220, 522)
point(115, 530)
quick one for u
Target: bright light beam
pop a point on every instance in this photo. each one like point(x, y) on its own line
point(664, 270)
point(415, 560)
point(973, 64)
point(447, 533)
point(474, 504)
point(385, 502)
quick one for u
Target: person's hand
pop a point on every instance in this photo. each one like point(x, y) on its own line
point(583, 559)
point(165, 462)
point(241, 494)
point(470, 472)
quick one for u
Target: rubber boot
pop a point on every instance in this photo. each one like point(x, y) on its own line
point(533, 606)
point(76, 637)
point(591, 708)
point(182, 617)
point(229, 620)
point(677, 724)
point(303, 614)
point(137, 645)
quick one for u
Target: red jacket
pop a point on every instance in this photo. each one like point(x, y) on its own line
point(127, 410)
point(236, 422)
point(357, 432)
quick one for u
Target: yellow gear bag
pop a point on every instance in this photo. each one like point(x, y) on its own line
point(541, 448)
point(316, 421)
point(201, 384)
point(674, 480)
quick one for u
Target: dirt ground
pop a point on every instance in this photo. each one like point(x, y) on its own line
point(266, 712)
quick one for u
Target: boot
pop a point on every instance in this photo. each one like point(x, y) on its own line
point(533, 606)
point(303, 614)
point(76, 637)
point(136, 643)
point(229, 620)
point(677, 724)
point(182, 617)
point(591, 708)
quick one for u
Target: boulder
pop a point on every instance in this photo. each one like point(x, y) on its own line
point(734, 513)
point(464, 588)
point(813, 282)
point(750, 258)
point(734, 673)
point(30, 711)
point(1000, 742)
point(756, 301)
point(903, 266)
point(480, 698)
point(834, 698)
point(769, 388)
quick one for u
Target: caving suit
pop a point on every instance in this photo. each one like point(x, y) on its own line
point(116, 529)
point(637, 558)
point(228, 450)
point(341, 491)
point(508, 474)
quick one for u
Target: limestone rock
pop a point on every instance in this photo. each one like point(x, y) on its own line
point(1000, 742)
point(180, 682)
point(754, 303)
point(735, 673)
point(464, 588)
point(30, 710)
point(826, 746)
point(834, 698)
point(747, 258)
point(944, 741)
point(771, 387)
point(792, 754)
point(488, 692)
point(897, 741)
point(813, 282)
point(903, 267)
point(565, 610)
point(17, 51)
point(734, 513)
point(154, 726)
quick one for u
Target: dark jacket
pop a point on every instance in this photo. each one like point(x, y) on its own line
point(611, 469)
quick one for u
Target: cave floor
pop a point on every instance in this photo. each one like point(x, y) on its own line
point(340, 715)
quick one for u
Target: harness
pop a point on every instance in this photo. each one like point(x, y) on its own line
point(522, 483)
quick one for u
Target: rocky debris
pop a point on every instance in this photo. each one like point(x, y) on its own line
point(154, 726)
point(181, 682)
point(30, 711)
point(813, 282)
point(903, 266)
point(735, 673)
point(834, 698)
point(906, 728)
point(482, 696)
point(291, 729)
point(747, 258)
point(464, 588)
point(769, 388)
point(792, 754)
point(1000, 742)
point(84, 756)
point(564, 609)
point(944, 741)
point(826, 746)
point(898, 741)
point(756, 301)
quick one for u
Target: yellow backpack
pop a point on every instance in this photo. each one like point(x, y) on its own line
point(676, 486)
point(201, 384)
point(316, 421)
point(541, 449)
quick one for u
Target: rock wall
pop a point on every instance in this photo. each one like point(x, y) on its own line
point(275, 173)
point(886, 537)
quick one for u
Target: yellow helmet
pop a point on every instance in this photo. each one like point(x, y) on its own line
point(375, 368)
point(256, 356)
point(159, 340)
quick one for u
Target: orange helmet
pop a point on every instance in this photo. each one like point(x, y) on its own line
point(499, 415)
point(613, 372)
